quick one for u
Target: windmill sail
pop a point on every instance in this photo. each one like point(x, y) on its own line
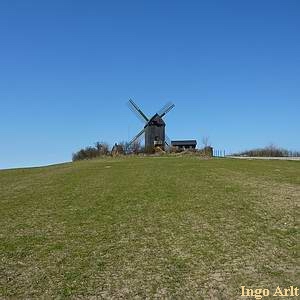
point(137, 111)
point(166, 109)
point(137, 137)
point(167, 142)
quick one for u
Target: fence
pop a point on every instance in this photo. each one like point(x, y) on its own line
point(219, 153)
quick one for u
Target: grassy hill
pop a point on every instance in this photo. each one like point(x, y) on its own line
point(180, 228)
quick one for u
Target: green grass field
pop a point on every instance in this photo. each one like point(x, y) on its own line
point(149, 228)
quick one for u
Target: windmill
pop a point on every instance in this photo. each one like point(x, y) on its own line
point(154, 127)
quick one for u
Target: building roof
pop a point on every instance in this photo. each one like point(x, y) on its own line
point(184, 143)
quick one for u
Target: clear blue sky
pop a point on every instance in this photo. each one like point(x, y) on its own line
point(67, 69)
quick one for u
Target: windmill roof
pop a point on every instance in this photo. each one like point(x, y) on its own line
point(156, 120)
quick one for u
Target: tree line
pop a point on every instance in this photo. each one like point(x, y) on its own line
point(103, 149)
point(269, 151)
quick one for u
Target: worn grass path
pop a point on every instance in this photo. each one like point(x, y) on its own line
point(156, 228)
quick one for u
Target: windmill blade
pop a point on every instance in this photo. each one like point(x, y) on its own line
point(166, 109)
point(137, 111)
point(167, 142)
point(136, 137)
point(160, 112)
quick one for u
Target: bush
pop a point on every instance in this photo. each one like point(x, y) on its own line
point(100, 149)
point(118, 149)
point(148, 150)
point(268, 151)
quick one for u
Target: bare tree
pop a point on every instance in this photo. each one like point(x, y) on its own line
point(102, 147)
point(122, 147)
point(205, 141)
point(136, 147)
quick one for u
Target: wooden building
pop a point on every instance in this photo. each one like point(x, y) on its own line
point(184, 144)
point(155, 132)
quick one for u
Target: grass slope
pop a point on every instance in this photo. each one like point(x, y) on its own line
point(180, 228)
